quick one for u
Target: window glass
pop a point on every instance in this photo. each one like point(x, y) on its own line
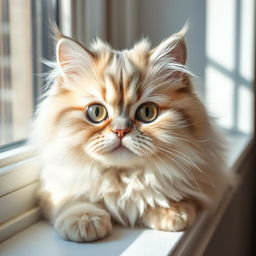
point(25, 40)
point(16, 103)
point(230, 63)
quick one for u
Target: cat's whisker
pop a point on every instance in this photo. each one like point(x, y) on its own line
point(183, 139)
point(162, 162)
point(149, 157)
point(143, 149)
point(93, 143)
point(146, 146)
point(186, 159)
point(143, 157)
point(160, 169)
point(185, 169)
point(181, 156)
point(149, 146)
point(177, 135)
point(98, 147)
point(141, 136)
point(96, 137)
point(152, 160)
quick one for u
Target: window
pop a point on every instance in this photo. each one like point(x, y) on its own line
point(24, 41)
point(230, 63)
point(16, 71)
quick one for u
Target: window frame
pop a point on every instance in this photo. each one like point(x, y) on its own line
point(17, 158)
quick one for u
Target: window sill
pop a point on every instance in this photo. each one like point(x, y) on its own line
point(15, 155)
point(40, 238)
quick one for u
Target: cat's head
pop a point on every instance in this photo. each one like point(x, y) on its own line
point(123, 108)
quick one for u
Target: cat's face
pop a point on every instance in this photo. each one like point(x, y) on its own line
point(124, 108)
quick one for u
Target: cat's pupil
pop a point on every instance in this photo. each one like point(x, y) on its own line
point(147, 111)
point(97, 111)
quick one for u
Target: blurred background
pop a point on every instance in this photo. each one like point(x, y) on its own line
point(221, 53)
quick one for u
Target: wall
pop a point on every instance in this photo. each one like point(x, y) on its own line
point(160, 19)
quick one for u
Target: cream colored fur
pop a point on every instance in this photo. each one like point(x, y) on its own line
point(167, 170)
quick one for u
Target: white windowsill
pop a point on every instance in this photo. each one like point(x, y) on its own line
point(40, 239)
point(15, 155)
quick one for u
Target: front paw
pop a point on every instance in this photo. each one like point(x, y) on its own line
point(83, 223)
point(178, 217)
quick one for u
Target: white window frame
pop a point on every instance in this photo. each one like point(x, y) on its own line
point(19, 172)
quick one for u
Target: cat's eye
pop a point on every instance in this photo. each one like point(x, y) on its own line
point(147, 112)
point(96, 113)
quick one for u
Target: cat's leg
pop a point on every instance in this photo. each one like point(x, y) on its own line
point(179, 216)
point(82, 221)
point(75, 219)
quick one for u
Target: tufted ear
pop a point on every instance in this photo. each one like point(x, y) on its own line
point(72, 58)
point(166, 69)
point(173, 48)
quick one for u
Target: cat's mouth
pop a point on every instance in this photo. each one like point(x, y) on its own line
point(121, 149)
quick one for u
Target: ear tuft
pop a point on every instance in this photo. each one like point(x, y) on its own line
point(183, 31)
point(173, 48)
point(56, 34)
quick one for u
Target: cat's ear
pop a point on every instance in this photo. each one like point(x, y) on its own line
point(72, 58)
point(172, 49)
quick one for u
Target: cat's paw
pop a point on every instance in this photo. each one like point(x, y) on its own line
point(178, 217)
point(83, 223)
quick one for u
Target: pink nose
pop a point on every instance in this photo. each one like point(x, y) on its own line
point(121, 132)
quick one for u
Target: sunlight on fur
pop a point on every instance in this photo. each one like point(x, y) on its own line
point(122, 137)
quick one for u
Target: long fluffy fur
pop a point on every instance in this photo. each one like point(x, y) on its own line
point(179, 156)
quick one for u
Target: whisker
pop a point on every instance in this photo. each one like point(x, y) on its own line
point(180, 138)
point(187, 140)
point(98, 148)
point(185, 169)
point(93, 143)
point(181, 156)
point(141, 136)
point(146, 144)
point(151, 158)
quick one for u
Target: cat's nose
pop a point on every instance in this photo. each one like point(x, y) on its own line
point(121, 132)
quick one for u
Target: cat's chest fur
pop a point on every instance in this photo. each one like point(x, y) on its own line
point(126, 193)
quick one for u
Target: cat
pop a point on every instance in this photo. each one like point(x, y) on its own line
point(123, 137)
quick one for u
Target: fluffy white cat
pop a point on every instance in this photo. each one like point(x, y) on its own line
point(122, 137)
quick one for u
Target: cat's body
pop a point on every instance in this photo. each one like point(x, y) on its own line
point(122, 135)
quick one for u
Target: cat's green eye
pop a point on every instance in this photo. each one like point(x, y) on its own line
point(147, 112)
point(96, 113)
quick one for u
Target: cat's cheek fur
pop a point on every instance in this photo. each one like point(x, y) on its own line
point(178, 217)
point(83, 222)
